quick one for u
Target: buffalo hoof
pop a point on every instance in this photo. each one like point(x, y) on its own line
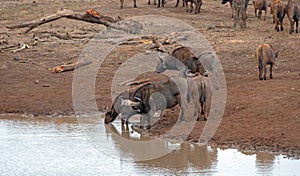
point(135, 6)
point(261, 79)
point(148, 127)
point(205, 119)
point(198, 119)
point(265, 78)
point(271, 76)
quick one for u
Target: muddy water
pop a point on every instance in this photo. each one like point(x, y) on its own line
point(59, 146)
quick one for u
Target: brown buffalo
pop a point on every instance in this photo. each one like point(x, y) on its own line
point(265, 55)
point(278, 12)
point(182, 59)
point(190, 61)
point(203, 90)
point(260, 5)
point(293, 13)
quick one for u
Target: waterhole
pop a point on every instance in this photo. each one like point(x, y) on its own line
point(59, 146)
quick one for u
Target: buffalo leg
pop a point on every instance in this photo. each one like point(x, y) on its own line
point(198, 6)
point(148, 2)
point(259, 14)
point(265, 72)
point(205, 111)
point(177, 2)
point(260, 70)
point(142, 122)
point(292, 26)
point(122, 2)
point(271, 73)
point(183, 106)
point(134, 4)
point(149, 121)
point(281, 24)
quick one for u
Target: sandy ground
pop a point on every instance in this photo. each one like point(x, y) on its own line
point(259, 115)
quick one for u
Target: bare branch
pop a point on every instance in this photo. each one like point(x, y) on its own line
point(90, 16)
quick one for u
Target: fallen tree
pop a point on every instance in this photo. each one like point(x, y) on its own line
point(91, 16)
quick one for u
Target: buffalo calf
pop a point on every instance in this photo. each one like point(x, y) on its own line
point(204, 89)
point(265, 55)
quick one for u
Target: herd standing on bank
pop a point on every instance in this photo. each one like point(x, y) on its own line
point(194, 67)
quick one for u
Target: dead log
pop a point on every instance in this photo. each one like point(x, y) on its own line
point(69, 67)
point(90, 16)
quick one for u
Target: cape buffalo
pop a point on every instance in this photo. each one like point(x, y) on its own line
point(278, 11)
point(260, 5)
point(203, 90)
point(189, 61)
point(150, 97)
point(293, 13)
point(118, 109)
point(265, 55)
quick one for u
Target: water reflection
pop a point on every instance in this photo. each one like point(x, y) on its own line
point(59, 146)
point(182, 157)
point(264, 162)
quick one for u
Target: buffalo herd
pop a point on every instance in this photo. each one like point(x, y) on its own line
point(193, 66)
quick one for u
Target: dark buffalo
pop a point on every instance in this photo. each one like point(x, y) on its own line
point(197, 3)
point(117, 109)
point(151, 97)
